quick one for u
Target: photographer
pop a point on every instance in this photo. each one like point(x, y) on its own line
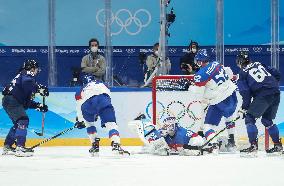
point(153, 61)
point(94, 63)
point(187, 64)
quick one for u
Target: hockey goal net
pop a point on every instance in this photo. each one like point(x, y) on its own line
point(175, 95)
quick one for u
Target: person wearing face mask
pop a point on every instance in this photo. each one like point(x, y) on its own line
point(187, 61)
point(152, 62)
point(94, 63)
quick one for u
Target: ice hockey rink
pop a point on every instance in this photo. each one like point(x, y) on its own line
point(57, 166)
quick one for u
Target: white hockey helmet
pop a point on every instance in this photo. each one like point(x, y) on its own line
point(168, 127)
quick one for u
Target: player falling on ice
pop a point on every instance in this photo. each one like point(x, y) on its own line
point(169, 138)
point(94, 100)
point(262, 84)
point(214, 83)
point(18, 97)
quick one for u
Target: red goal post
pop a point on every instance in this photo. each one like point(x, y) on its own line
point(154, 90)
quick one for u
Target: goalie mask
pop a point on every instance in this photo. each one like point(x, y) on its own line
point(168, 127)
point(201, 58)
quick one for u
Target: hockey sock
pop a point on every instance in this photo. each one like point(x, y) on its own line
point(252, 132)
point(92, 133)
point(21, 136)
point(113, 132)
point(274, 133)
point(10, 139)
point(21, 131)
point(209, 132)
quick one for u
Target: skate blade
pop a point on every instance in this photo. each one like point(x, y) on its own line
point(8, 153)
point(190, 153)
point(95, 154)
point(248, 155)
point(24, 155)
point(273, 154)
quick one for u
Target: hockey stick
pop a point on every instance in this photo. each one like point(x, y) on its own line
point(53, 137)
point(207, 142)
point(42, 120)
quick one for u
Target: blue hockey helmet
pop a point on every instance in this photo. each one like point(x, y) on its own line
point(201, 57)
point(88, 78)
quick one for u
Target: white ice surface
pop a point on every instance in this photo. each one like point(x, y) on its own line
point(70, 166)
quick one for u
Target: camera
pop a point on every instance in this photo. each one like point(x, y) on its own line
point(75, 81)
point(171, 17)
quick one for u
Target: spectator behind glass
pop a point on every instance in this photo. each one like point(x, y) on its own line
point(94, 63)
point(152, 62)
point(187, 64)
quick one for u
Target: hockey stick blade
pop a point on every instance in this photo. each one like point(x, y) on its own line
point(38, 133)
point(217, 134)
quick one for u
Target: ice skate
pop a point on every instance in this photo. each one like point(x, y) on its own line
point(8, 150)
point(231, 147)
point(23, 152)
point(276, 150)
point(94, 151)
point(250, 152)
point(116, 149)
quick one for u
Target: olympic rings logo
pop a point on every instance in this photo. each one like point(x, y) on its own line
point(257, 49)
point(174, 108)
point(124, 20)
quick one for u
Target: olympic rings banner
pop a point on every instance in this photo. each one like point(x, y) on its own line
point(134, 23)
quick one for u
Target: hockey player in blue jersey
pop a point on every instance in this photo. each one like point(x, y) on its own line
point(168, 138)
point(94, 100)
point(213, 82)
point(18, 96)
point(262, 84)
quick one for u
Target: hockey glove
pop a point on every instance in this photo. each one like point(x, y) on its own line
point(42, 90)
point(242, 113)
point(79, 125)
point(42, 108)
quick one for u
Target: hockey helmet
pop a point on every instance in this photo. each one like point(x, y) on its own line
point(201, 57)
point(168, 127)
point(88, 78)
point(30, 63)
point(242, 59)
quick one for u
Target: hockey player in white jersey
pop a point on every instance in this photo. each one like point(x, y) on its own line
point(94, 100)
point(169, 138)
point(217, 89)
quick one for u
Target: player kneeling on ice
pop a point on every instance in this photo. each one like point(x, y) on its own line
point(170, 138)
point(94, 100)
point(213, 82)
point(18, 97)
